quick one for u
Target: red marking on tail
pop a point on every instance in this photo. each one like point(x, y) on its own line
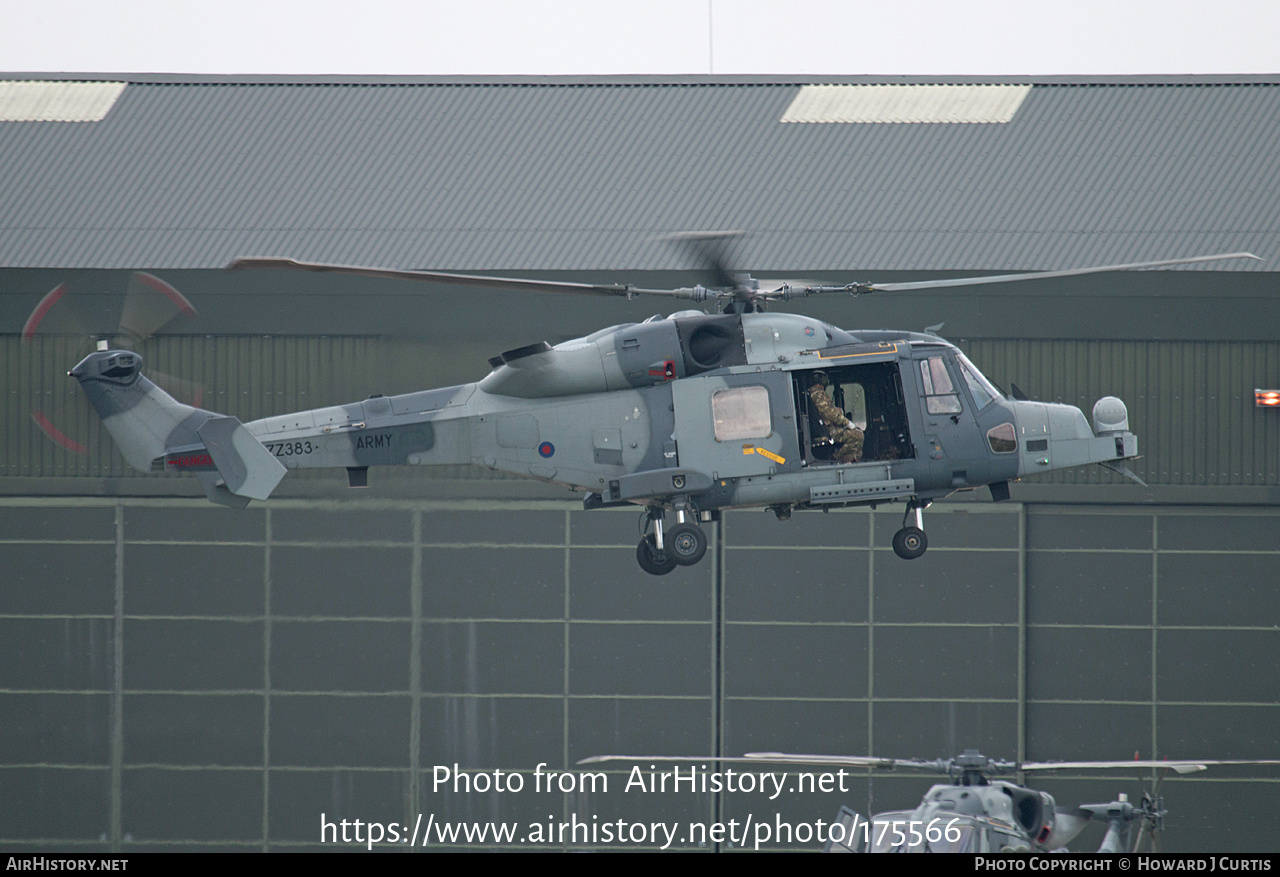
point(56, 434)
point(188, 310)
point(50, 299)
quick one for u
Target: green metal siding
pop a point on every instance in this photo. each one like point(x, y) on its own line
point(319, 656)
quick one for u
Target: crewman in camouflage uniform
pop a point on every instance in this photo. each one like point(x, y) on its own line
point(847, 437)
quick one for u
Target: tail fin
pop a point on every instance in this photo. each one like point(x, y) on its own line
point(154, 430)
point(247, 468)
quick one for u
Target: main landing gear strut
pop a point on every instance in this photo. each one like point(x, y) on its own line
point(910, 542)
point(663, 549)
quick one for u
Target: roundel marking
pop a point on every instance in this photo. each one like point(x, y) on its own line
point(546, 449)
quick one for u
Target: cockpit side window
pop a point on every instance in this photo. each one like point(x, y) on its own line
point(984, 392)
point(939, 393)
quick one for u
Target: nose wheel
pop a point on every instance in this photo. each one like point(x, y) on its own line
point(910, 542)
point(660, 552)
point(687, 543)
point(652, 560)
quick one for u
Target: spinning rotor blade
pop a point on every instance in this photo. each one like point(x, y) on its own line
point(597, 759)
point(49, 320)
point(1180, 767)
point(1044, 275)
point(758, 757)
point(864, 288)
point(847, 761)
point(1154, 812)
point(696, 293)
point(712, 249)
point(150, 304)
point(190, 392)
point(78, 320)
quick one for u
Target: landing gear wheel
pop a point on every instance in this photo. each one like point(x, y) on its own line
point(909, 543)
point(653, 561)
point(686, 544)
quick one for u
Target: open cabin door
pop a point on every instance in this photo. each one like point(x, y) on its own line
point(732, 426)
point(868, 390)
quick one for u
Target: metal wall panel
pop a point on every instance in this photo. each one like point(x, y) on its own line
point(198, 679)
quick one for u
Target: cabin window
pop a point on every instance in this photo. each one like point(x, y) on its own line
point(851, 398)
point(940, 394)
point(741, 413)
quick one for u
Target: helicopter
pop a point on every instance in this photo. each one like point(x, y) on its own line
point(688, 414)
point(977, 813)
point(982, 814)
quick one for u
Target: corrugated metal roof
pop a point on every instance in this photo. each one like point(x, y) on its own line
point(590, 176)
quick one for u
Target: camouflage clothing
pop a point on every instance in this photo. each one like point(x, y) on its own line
point(847, 437)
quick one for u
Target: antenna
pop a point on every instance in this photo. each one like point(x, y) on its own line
point(711, 42)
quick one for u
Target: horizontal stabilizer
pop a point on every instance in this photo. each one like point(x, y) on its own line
point(216, 490)
point(248, 469)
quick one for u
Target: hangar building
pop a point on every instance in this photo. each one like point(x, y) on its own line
point(177, 675)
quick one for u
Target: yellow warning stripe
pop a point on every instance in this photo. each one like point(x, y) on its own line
point(771, 456)
point(767, 454)
point(886, 347)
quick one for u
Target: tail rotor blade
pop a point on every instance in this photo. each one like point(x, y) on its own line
point(190, 392)
point(58, 313)
point(150, 304)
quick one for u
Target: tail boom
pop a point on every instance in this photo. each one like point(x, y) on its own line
point(154, 431)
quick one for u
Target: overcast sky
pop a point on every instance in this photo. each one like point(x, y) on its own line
point(432, 37)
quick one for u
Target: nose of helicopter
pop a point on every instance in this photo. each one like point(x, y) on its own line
point(1054, 436)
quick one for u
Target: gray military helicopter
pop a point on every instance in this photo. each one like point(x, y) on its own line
point(975, 812)
point(688, 414)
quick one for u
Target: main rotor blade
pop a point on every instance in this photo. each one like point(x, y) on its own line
point(713, 250)
point(1180, 767)
point(775, 757)
point(1046, 275)
point(597, 759)
point(696, 293)
point(789, 292)
point(941, 766)
point(1176, 766)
